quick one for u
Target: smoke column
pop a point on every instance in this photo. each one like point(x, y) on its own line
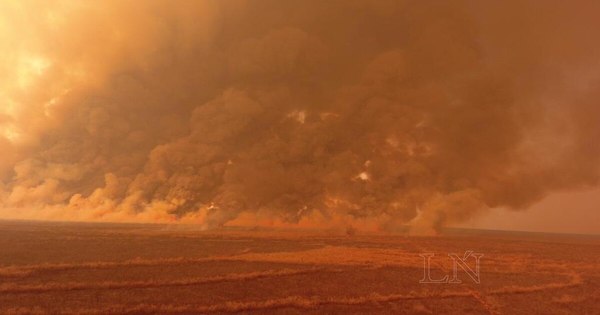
point(312, 113)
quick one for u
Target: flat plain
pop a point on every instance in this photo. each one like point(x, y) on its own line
point(88, 268)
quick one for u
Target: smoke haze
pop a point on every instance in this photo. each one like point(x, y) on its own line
point(371, 114)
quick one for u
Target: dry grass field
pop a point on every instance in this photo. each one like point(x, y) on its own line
point(67, 268)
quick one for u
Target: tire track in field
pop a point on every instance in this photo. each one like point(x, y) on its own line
point(113, 285)
point(326, 255)
point(301, 302)
point(29, 270)
point(575, 280)
point(298, 302)
point(235, 307)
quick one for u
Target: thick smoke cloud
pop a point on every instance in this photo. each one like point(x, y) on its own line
point(310, 113)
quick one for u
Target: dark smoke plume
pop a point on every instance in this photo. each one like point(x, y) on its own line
point(315, 113)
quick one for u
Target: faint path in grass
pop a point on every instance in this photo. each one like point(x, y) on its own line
point(299, 302)
point(7, 288)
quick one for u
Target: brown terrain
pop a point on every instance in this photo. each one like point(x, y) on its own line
point(68, 268)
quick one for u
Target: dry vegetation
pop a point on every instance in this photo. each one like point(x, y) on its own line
point(53, 268)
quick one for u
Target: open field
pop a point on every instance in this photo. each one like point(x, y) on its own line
point(67, 268)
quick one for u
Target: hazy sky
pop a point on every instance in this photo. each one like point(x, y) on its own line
point(371, 114)
point(565, 212)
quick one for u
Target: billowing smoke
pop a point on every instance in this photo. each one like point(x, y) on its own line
point(374, 113)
